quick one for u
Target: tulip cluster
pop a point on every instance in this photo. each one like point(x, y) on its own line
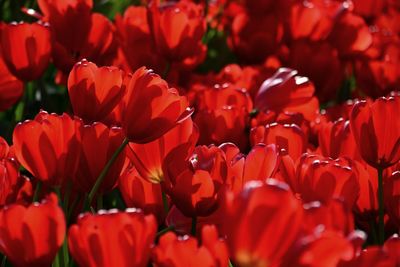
point(200, 133)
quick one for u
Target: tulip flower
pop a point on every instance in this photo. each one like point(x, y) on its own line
point(149, 158)
point(376, 129)
point(32, 235)
point(151, 108)
point(336, 140)
point(173, 251)
point(11, 89)
point(97, 146)
point(260, 164)
point(286, 137)
point(195, 184)
point(376, 124)
point(392, 197)
point(94, 92)
point(48, 147)
point(322, 179)
point(138, 192)
point(254, 237)
point(288, 91)
point(112, 239)
point(182, 44)
point(134, 35)
point(26, 49)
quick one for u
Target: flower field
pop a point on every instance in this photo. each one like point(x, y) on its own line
point(208, 133)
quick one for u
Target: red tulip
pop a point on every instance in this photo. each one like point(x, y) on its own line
point(260, 163)
point(255, 37)
point(151, 108)
point(320, 62)
point(392, 197)
point(94, 92)
point(326, 248)
point(227, 124)
point(262, 223)
point(376, 129)
point(149, 158)
point(98, 144)
point(392, 247)
point(26, 49)
point(31, 236)
point(194, 185)
point(48, 147)
point(70, 21)
point(177, 30)
point(369, 8)
point(287, 91)
point(99, 45)
point(350, 35)
point(371, 256)
point(112, 239)
point(173, 251)
point(336, 140)
point(134, 35)
point(334, 216)
point(139, 193)
point(321, 179)
point(367, 204)
point(286, 137)
point(11, 89)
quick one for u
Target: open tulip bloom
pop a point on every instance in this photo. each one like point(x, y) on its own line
point(176, 133)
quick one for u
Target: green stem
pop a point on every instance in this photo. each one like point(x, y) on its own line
point(100, 202)
point(105, 170)
point(194, 224)
point(165, 201)
point(166, 70)
point(372, 224)
point(163, 231)
point(4, 261)
point(37, 191)
point(230, 263)
point(381, 225)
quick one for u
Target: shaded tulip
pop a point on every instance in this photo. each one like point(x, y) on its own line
point(371, 256)
point(287, 91)
point(286, 137)
point(70, 21)
point(325, 248)
point(350, 35)
point(334, 216)
point(392, 247)
point(183, 224)
point(252, 44)
point(227, 124)
point(151, 108)
point(94, 92)
point(149, 158)
point(194, 185)
point(253, 236)
point(48, 147)
point(98, 143)
point(320, 62)
point(11, 89)
point(260, 163)
point(91, 242)
point(173, 251)
point(377, 125)
point(322, 179)
point(26, 49)
point(392, 197)
point(177, 30)
point(137, 192)
point(134, 35)
point(32, 235)
point(336, 140)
